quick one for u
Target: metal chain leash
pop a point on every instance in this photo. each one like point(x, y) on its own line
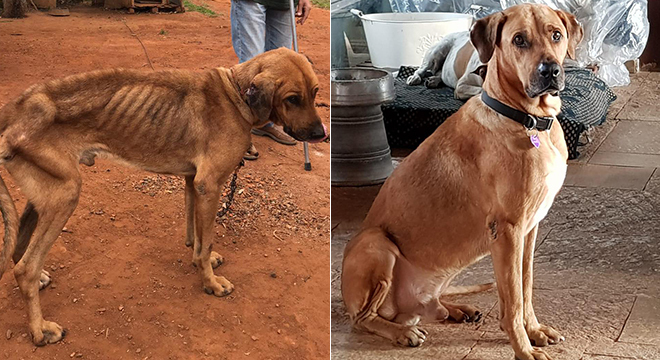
point(230, 196)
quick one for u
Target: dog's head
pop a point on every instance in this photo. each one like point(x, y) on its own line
point(280, 86)
point(529, 43)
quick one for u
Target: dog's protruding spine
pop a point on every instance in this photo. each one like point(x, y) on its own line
point(10, 218)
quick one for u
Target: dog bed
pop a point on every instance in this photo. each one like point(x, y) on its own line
point(417, 111)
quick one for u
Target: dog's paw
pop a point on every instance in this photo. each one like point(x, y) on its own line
point(44, 279)
point(433, 82)
point(412, 336)
point(463, 313)
point(414, 80)
point(544, 335)
point(216, 259)
point(49, 333)
point(218, 286)
point(534, 354)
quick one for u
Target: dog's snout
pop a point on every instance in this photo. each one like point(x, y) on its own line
point(315, 133)
point(318, 132)
point(548, 79)
point(549, 70)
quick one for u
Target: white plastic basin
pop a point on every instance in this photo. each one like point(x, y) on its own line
point(396, 39)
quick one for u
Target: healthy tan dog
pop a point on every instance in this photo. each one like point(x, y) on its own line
point(477, 185)
point(184, 123)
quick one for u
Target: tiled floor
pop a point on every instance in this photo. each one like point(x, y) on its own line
point(597, 263)
point(626, 150)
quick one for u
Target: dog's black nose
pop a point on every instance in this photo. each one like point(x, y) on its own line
point(318, 132)
point(549, 70)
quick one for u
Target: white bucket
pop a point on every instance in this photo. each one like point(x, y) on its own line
point(397, 39)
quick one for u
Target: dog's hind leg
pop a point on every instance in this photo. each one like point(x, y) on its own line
point(456, 312)
point(433, 82)
point(433, 61)
point(206, 185)
point(191, 236)
point(27, 226)
point(54, 197)
point(462, 313)
point(367, 274)
point(468, 86)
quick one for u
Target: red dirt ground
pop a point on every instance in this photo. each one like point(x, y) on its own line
point(123, 283)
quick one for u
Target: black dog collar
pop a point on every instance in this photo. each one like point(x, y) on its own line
point(528, 121)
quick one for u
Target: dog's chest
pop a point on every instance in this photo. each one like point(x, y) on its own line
point(554, 173)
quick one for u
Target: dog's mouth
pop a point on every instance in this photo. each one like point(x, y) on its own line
point(552, 92)
point(551, 89)
point(315, 134)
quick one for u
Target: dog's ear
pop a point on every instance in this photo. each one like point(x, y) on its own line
point(260, 96)
point(574, 30)
point(486, 33)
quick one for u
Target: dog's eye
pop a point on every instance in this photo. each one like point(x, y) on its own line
point(519, 41)
point(294, 99)
point(556, 36)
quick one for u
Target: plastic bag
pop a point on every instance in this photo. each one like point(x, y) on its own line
point(477, 8)
point(615, 31)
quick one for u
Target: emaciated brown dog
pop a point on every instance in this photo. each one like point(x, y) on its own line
point(476, 186)
point(193, 124)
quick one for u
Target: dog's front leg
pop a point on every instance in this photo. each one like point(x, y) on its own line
point(191, 235)
point(507, 251)
point(190, 212)
point(539, 335)
point(207, 184)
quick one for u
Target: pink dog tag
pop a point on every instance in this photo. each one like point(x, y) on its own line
point(535, 140)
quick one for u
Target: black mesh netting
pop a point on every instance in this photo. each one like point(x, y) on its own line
point(417, 111)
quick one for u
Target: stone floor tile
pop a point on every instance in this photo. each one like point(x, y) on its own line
point(618, 350)
point(637, 137)
point(653, 185)
point(496, 346)
point(616, 177)
point(643, 324)
point(597, 135)
point(443, 343)
point(642, 105)
point(625, 159)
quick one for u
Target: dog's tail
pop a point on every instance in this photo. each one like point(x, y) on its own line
point(10, 218)
point(467, 289)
